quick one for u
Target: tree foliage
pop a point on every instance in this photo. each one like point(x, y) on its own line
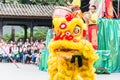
point(41, 2)
point(39, 33)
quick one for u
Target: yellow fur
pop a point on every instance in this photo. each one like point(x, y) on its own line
point(59, 65)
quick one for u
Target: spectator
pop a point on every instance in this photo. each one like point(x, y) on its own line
point(24, 51)
point(28, 55)
point(15, 54)
point(27, 43)
point(20, 43)
point(36, 44)
point(5, 52)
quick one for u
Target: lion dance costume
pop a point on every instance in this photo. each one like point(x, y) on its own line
point(71, 56)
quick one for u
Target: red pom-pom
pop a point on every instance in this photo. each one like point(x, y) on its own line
point(68, 17)
point(84, 33)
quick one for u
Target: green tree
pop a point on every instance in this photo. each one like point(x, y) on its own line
point(41, 2)
point(39, 33)
point(7, 38)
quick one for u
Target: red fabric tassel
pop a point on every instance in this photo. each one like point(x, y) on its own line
point(92, 36)
point(109, 9)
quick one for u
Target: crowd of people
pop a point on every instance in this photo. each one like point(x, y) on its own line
point(25, 52)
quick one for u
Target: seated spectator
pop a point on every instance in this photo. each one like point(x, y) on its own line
point(24, 51)
point(27, 43)
point(21, 54)
point(36, 44)
point(28, 55)
point(15, 54)
point(0, 53)
point(5, 52)
point(20, 43)
point(35, 53)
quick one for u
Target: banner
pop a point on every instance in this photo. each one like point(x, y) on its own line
point(109, 39)
point(43, 66)
point(109, 9)
point(104, 63)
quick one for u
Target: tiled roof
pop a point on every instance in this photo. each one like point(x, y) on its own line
point(25, 10)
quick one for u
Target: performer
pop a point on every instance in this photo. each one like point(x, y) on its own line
point(75, 6)
point(92, 26)
point(76, 3)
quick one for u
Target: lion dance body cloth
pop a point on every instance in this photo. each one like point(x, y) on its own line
point(71, 56)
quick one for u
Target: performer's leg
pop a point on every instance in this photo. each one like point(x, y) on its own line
point(92, 36)
point(87, 72)
point(52, 66)
point(65, 70)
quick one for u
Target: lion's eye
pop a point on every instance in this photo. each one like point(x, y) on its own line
point(67, 33)
point(76, 30)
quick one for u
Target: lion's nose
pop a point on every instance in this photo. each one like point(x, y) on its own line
point(67, 35)
point(59, 36)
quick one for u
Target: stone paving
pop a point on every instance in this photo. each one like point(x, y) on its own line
point(9, 71)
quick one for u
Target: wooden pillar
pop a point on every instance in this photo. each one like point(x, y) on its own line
point(25, 32)
point(31, 31)
point(4, 1)
point(118, 8)
point(1, 28)
point(1, 31)
point(13, 33)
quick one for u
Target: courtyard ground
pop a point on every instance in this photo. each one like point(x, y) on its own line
point(9, 71)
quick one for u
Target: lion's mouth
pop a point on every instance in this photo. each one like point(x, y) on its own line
point(62, 49)
point(69, 54)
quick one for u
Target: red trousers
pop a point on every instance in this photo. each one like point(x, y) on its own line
point(92, 35)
